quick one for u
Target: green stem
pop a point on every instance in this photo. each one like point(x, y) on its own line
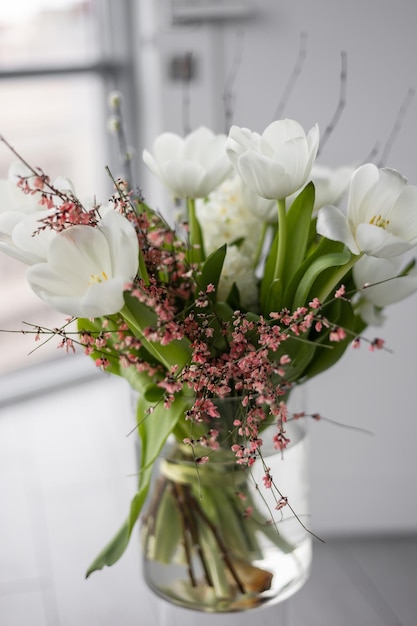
point(260, 244)
point(197, 254)
point(282, 239)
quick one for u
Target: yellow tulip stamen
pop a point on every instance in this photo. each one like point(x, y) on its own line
point(98, 278)
point(378, 220)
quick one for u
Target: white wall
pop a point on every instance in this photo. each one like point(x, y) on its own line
point(361, 483)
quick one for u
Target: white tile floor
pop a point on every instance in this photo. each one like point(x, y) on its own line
point(66, 478)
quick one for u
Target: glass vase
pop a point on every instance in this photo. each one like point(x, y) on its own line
point(216, 538)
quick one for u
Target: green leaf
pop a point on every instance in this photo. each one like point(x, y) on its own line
point(154, 429)
point(139, 317)
point(140, 381)
point(301, 353)
point(163, 541)
point(268, 274)
point(223, 313)
point(212, 268)
point(298, 230)
point(95, 327)
point(112, 552)
point(326, 254)
point(233, 299)
point(329, 352)
point(274, 299)
point(154, 394)
point(306, 285)
point(321, 248)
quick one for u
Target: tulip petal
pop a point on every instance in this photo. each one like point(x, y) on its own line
point(403, 220)
point(149, 160)
point(363, 180)
point(371, 270)
point(382, 197)
point(183, 178)
point(293, 157)
point(242, 139)
point(167, 146)
point(196, 142)
point(120, 235)
point(267, 178)
point(282, 131)
point(332, 224)
point(380, 242)
point(17, 236)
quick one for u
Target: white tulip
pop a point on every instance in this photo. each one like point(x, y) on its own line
point(18, 238)
point(277, 163)
point(21, 214)
point(12, 198)
point(88, 268)
point(330, 184)
point(387, 286)
point(381, 217)
point(370, 314)
point(190, 167)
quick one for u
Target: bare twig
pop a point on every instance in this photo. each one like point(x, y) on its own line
point(341, 103)
point(372, 154)
point(397, 127)
point(229, 94)
point(186, 98)
point(125, 152)
point(302, 52)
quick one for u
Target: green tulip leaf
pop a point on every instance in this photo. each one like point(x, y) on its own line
point(212, 269)
point(321, 248)
point(233, 299)
point(274, 298)
point(268, 275)
point(301, 353)
point(328, 352)
point(177, 352)
point(306, 285)
point(95, 327)
point(154, 429)
point(326, 255)
point(298, 230)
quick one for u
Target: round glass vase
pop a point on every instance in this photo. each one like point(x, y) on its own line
point(216, 539)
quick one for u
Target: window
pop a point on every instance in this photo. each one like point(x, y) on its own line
point(58, 61)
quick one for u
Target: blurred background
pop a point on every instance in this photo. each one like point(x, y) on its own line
point(66, 463)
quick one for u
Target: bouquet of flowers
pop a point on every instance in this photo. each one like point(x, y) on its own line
point(261, 284)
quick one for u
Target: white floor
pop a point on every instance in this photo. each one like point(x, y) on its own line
point(66, 478)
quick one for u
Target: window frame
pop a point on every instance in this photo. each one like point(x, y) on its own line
point(115, 67)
